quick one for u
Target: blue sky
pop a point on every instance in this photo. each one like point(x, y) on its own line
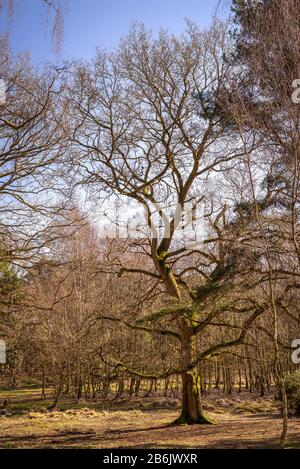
point(92, 23)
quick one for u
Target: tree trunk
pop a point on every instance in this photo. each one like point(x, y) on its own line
point(137, 387)
point(191, 412)
point(283, 435)
point(58, 390)
point(43, 396)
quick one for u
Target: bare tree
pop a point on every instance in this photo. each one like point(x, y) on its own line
point(54, 12)
point(267, 63)
point(32, 146)
point(147, 127)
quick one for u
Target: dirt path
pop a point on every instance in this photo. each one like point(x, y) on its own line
point(87, 428)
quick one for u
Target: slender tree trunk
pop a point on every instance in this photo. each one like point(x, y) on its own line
point(137, 387)
point(246, 376)
point(209, 379)
point(131, 387)
point(217, 374)
point(150, 390)
point(167, 382)
point(58, 392)
point(283, 436)
point(240, 377)
point(43, 396)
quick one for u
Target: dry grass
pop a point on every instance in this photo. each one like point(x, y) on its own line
point(86, 428)
point(243, 421)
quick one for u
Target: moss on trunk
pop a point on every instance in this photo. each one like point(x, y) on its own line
point(191, 412)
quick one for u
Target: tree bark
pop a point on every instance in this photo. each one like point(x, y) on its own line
point(192, 411)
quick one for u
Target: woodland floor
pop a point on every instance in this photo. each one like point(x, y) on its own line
point(242, 421)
